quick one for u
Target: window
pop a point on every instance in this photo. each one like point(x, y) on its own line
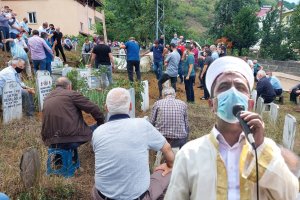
point(81, 26)
point(32, 18)
point(90, 23)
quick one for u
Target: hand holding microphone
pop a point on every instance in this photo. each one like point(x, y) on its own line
point(251, 123)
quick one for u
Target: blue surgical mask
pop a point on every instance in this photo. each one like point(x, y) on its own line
point(226, 101)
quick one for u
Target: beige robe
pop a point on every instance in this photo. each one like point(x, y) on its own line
point(199, 173)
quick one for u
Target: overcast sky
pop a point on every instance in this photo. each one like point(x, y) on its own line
point(291, 1)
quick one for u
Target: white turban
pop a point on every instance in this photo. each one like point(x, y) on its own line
point(228, 63)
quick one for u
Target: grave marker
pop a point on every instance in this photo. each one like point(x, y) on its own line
point(44, 86)
point(145, 96)
point(132, 96)
point(260, 105)
point(289, 131)
point(273, 112)
point(11, 101)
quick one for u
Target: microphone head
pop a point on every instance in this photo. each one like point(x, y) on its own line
point(237, 108)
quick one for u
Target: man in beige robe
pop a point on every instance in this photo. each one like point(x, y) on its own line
point(221, 165)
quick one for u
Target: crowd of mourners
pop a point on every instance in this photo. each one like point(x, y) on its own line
point(205, 168)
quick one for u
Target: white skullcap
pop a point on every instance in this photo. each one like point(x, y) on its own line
point(228, 63)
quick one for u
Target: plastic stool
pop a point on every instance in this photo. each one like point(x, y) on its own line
point(69, 162)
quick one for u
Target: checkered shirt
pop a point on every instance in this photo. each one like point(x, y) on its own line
point(169, 116)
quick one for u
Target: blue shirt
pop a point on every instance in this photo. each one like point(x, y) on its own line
point(173, 60)
point(157, 53)
point(275, 82)
point(18, 51)
point(48, 55)
point(215, 55)
point(133, 50)
point(24, 26)
point(123, 172)
point(189, 60)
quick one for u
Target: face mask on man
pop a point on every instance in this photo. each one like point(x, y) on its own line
point(226, 101)
point(18, 69)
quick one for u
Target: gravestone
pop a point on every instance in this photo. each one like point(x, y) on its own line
point(254, 97)
point(145, 96)
point(260, 105)
point(86, 58)
point(132, 96)
point(289, 131)
point(84, 73)
point(44, 86)
point(11, 101)
point(273, 112)
point(30, 167)
point(66, 70)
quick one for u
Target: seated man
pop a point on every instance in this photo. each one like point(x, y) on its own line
point(221, 164)
point(264, 87)
point(63, 125)
point(12, 73)
point(294, 93)
point(275, 82)
point(121, 154)
point(169, 116)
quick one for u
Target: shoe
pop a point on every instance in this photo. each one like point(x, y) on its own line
point(203, 98)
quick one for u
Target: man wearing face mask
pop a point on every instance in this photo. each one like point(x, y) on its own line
point(221, 164)
point(12, 73)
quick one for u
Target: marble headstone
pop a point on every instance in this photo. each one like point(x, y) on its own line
point(44, 86)
point(11, 101)
point(145, 96)
point(289, 131)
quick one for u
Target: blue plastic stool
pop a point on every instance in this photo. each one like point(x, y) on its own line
point(68, 166)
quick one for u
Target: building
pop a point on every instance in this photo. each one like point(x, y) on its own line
point(72, 16)
point(286, 17)
point(264, 10)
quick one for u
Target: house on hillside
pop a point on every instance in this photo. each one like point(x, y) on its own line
point(286, 17)
point(72, 16)
point(264, 10)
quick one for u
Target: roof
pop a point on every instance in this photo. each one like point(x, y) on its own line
point(263, 11)
point(96, 3)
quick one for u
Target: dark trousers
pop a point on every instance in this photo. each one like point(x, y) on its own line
point(58, 48)
point(268, 99)
point(163, 79)
point(177, 142)
point(293, 96)
point(278, 92)
point(206, 93)
point(5, 31)
point(180, 71)
point(189, 89)
point(136, 64)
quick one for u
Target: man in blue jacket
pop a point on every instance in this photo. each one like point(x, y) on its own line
point(264, 87)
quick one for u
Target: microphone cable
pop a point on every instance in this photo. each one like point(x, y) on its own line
point(256, 166)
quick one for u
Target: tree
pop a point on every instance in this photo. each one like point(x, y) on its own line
point(243, 31)
point(225, 10)
point(275, 43)
point(295, 28)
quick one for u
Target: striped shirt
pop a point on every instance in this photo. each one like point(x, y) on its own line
point(169, 116)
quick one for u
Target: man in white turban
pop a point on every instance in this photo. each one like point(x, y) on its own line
point(221, 164)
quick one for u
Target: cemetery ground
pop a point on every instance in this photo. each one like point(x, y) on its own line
point(17, 137)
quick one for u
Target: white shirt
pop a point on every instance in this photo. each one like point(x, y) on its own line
point(231, 158)
point(9, 74)
point(21, 43)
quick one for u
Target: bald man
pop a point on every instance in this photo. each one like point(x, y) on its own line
point(63, 124)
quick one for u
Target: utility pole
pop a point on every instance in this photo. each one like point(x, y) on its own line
point(160, 18)
point(280, 14)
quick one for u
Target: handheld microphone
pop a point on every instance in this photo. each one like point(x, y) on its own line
point(236, 111)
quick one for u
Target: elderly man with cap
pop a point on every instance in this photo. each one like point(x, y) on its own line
point(221, 164)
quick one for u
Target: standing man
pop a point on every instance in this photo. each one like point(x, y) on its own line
point(12, 73)
point(221, 165)
point(172, 62)
point(63, 124)
point(162, 40)
point(4, 29)
point(158, 51)
point(214, 52)
point(189, 73)
point(133, 58)
point(104, 59)
point(43, 28)
point(264, 87)
point(37, 47)
point(207, 62)
point(123, 172)
point(57, 38)
point(15, 27)
point(175, 40)
point(169, 117)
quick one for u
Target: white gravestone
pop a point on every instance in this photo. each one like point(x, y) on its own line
point(11, 101)
point(132, 96)
point(145, 96)
point(254, 97)
point(260, 105)
point(289, 131)
point(273, 112)
point(44, 86)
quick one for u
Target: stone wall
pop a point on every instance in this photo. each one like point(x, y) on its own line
point(288, 67)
